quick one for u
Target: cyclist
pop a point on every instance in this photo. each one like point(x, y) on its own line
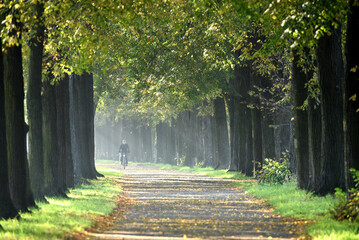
point(124, 150)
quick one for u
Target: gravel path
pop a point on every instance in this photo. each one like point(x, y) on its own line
point(169, 204)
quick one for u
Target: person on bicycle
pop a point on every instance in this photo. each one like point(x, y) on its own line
point(124, 150)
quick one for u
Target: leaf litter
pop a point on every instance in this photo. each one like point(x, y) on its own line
point(170, 204)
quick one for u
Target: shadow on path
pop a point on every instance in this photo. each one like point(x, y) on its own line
point(169, 204)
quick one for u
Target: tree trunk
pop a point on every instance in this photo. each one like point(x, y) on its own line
point(64, 155)
point(222, 133)
point(268, 125)
point(90, 113)
point(331, 72)
point(352, 87)
point(300, 123)
point(69, 165)
point(160, 144)
point(34, 105)
point(245, 127)
point(314, 142)
point(15, 125)
point(268, 135)
point(214, 142)
point(234, 109)
point(73, 126)
point(7, 209)
point(189, 139)
point(207, 141)
point(256, 115)
point(50, 140)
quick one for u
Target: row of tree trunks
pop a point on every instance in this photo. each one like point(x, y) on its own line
point(319, 132)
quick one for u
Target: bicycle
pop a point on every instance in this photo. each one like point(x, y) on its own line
point(123, 160)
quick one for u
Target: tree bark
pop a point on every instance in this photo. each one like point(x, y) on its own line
point(222, 133)
point(74, 128)
point(7, 209)
point(52, 174)
point(314, 142)
point(15, 125)
point(189, 139)
point(245, 126)
point(234, 124)
point(300, 123)
point(352, 88)
point(207, 141)
point(65, 169)
point(256, 115)
point(331, 73)
point(34, 105)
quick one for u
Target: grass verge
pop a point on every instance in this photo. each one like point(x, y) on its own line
point(62, 217)
point(289, 201)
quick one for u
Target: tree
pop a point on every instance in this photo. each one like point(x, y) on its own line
point(331, 77)
point(222, 133)
point(7, 209)
point(300, 78)
point(15, 122)
point(34, 103)
point(352, 86)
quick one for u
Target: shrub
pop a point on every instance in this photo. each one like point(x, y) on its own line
point(348, 208)
point(274, 172)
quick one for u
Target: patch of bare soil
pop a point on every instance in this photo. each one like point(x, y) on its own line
point(169, 204)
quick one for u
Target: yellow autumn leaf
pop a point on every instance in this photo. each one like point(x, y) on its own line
point(353, 98)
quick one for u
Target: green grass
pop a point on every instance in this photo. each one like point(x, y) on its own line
point(62, 217)
point(289, 201)
point(209, 171)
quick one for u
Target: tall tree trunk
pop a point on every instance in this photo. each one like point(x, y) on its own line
point(161, 142)
point(352, 87)
point(189, 139)
point(90, 113)
point(7, 209)
point(214, 142)
point(331, 73)
point(300, 123)
point(51, 144)
point(69, 165)
point(268, 125)
point(73, 126)
point(15, 124)
point(314, 142)
point(207, 141)
point(222, 133)
point(34, 105)
point(61, 113)
point(147, 143)
point(245, 127)
point(234, 109)
point(256, 115)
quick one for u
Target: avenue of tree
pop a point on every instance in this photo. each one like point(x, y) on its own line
point(219, 83)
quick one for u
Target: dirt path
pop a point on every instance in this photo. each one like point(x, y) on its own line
point(169, 204)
